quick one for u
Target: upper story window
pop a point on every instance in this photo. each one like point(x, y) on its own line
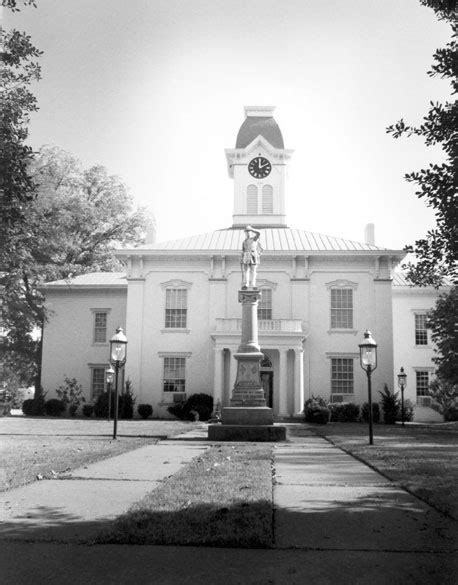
point(176, 308)
point(100, 326)
point(252, 200)
point(267, 199)
point(341, 308)
point(421, 331)
point(265, 304)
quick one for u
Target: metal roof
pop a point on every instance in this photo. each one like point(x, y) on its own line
point(400, 280)
point(92, 279)
point(254, 126)
point(272, 240)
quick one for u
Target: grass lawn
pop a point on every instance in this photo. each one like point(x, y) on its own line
point(33, 448)
point(222, 498)
point(421, 458)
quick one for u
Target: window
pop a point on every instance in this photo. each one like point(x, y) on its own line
point(252, 200)
point(176, 308)
point(267, 199)
point(265, 304)
point(174, 374)
point(97, 382)
point(341, 308)
point(422, 381)
point(341, 379)
point(421, 332)
point(100, 327)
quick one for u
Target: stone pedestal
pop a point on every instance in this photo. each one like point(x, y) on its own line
point(248, 418)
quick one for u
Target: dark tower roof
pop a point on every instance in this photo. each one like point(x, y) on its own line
point(256, 124)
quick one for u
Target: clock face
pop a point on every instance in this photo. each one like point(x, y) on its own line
point(259, 167)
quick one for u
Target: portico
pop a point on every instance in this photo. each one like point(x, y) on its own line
point(282, 341)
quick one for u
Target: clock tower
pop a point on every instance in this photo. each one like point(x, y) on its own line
point(258, 166)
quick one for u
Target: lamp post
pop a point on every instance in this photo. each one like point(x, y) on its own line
point(118, 352)
point(109, 373)
point(368, 361)
point(402, 383)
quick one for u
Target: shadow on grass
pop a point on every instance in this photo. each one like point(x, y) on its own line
point(382, 520)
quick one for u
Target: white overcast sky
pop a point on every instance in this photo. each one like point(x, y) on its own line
point(154, 90)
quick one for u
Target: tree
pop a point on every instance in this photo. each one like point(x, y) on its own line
point(20, 68)
point(79, 216)
point(443, 323)
point(436, 253)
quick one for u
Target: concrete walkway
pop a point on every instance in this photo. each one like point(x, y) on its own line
point(336, 521)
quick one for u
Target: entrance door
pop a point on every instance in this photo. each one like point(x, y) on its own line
point(267, 386)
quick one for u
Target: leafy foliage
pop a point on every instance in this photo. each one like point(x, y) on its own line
point(54, 407)
point(445, 398)
point(442, 321)
point(197, 407)
point(145, 410)
point(125, 405)
point(391, 406)
point(88, 410)
point(408, 411)
point(76, 220)
point(27, 407)
point(71, 395)
point(436, 253)
point(316, 410)
point(344, 412)
point(20, 68)
point(364, 416)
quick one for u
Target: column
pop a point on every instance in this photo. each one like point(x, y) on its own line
point(283, 383)
point(218, 376)
point(232, 369)
point(298, 380)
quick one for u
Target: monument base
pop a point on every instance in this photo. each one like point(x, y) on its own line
point(251, 415)
point(251, 433)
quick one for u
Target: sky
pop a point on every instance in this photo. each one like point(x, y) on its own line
point(154, 90)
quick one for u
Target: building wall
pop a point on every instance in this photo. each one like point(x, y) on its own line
point(306, 299)
point(407, 302)
point(68, 346)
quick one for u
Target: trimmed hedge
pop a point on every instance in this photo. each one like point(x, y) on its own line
point(88, 409)
point(54, 407)
point(145, 410)
point(196, 407)
point(344, 412)
point(27, 407)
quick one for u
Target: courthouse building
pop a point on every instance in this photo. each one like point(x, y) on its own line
point(178, 302)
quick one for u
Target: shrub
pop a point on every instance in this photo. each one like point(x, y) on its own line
point(54, 407)
point(316, 410)
point(197, 407)
point(34, 406)
point(408, 411)
point(390, 405)
point(445, 398)
point(125, 405)
point(101, 405)
point(375, 412)
point(71, 395)
point(88, 409)
point(27, 407)
point(344, 412)
point(145, 410)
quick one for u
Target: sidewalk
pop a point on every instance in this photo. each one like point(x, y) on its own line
point(336, 521)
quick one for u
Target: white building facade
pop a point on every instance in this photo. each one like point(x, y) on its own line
point(178, 302)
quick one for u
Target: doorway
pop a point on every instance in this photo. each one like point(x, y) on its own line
point(267, 378)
